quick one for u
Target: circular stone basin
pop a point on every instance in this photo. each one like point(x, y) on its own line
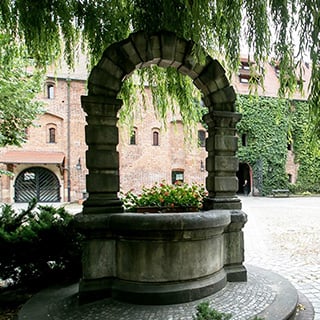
point(163, 258)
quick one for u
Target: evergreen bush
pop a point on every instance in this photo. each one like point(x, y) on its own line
point(39, 246)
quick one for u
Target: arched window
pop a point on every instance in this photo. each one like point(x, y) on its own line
point(133, 137)
point(155, 138)
point(202, 138)
point(52, 135)
point(50, 91)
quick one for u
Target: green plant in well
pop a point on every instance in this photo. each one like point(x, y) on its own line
point(39, 246)
point(205, 312)
point(165, 196)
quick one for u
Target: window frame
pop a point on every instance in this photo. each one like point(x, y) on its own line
point(155, 137)
point(50, 90)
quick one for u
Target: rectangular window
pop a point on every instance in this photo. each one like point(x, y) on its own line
point(244, 140)
point(52, 135)
point(202, 138)
point(50, 91)
point(133, 138)
point(177, 176)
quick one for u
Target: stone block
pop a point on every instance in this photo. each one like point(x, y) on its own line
point(101, 106)
point(225, 95)
point(201, 86)
point(222, 82)
point(168, 46)
point(225, 143)
point(189, 67)
point(192, 259)
point(154, 49)
point(140, 41)
point(96, 90)
point(98, 261)
point(225, 184)
point(212, 71)
point(227, 106)
point(111, 68)
point(102, 182)
point(102, 159)
point(103, 79)
point(115, 53)
point(226, 163)
point(180, 50)
point(104, 135)
point(132, 54)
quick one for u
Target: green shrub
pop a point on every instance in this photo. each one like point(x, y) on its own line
point(204, 312)
point(39, 246)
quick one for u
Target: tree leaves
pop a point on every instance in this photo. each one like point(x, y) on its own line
point(18, 89)
point(287, 31)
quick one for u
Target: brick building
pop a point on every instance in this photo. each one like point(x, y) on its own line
point(51, 164)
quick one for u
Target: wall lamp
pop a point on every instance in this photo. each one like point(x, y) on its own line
point(201, 166)
point(78, 165)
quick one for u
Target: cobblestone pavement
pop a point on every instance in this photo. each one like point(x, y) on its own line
point(283, 235)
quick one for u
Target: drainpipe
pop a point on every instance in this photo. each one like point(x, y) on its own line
point(68, 139)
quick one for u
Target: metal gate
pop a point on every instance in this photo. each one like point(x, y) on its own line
point(39, 183)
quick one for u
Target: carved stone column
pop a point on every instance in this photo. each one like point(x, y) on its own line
point(102, 158)
point(222, 163)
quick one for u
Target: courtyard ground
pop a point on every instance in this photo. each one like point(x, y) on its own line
point(282, 235)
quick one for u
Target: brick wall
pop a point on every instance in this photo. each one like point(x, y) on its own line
point(140, 164)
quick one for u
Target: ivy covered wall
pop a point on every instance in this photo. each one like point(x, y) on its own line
point(266, 128)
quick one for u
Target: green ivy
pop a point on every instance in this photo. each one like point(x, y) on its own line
point(306, 149)
point(270, 124)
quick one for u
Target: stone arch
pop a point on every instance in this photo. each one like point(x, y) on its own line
point(118, 62)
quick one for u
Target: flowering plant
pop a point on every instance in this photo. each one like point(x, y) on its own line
point(165, 197)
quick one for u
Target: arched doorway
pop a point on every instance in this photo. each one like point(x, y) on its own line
point(244, 178)
point(39, 183)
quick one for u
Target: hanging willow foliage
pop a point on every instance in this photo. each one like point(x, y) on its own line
point(285, 30)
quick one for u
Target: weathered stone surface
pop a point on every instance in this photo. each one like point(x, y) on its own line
point(222, 163)
point(102, 159)
point(104, 79)
point(167, 258)
point(223, 184)
point(103, 182)
point(102, 135)
point(111, 68)
point(140, 42)
point(168, 46)
point(224, 95)
point(119, 57)
point(154, 50)
point(174, 250)
point(225, 143)
point(234, 247)
point(97, 262)
point(132, 54)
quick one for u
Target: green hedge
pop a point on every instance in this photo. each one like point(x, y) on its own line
point(39, 246)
